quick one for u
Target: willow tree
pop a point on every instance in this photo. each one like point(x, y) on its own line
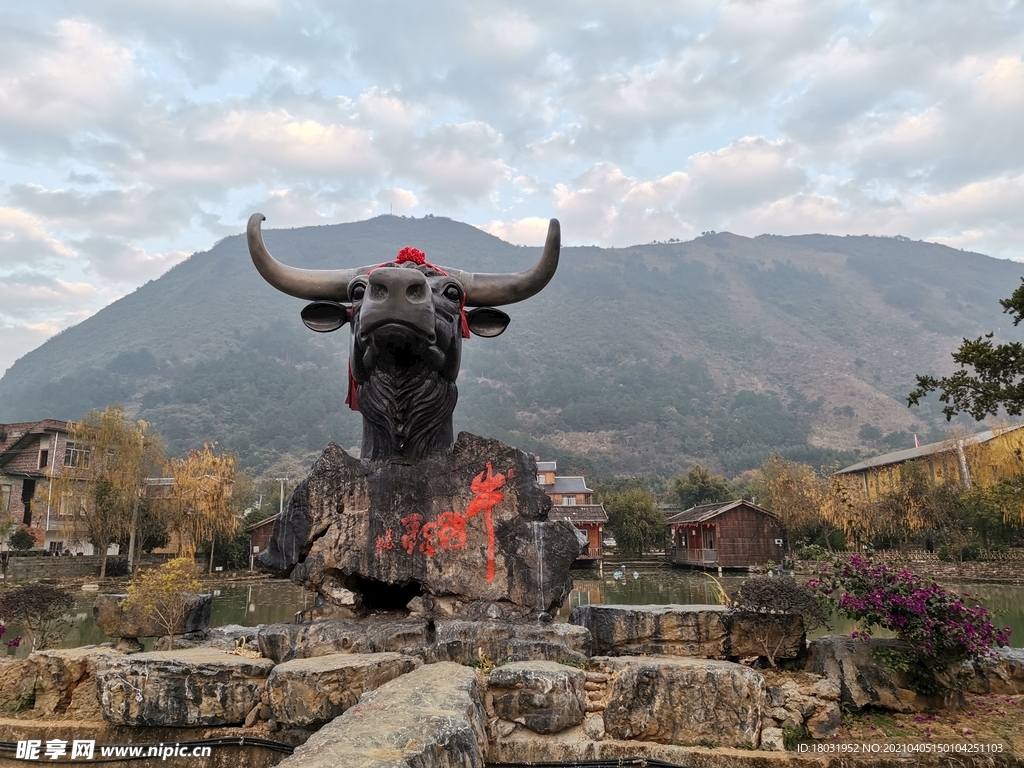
point(99, 486)
point(199, 507)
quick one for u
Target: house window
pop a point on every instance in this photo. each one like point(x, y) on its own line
point(540, 480)
point(76, 456)
point(569, 501)
point(44, 459)
point(5, 497)
point(709, 539)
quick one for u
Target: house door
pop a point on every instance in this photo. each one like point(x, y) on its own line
point(709, 538)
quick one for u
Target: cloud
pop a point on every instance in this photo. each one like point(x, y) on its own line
point(71, 75)
point(117, 261)
point(24, 239)
point(138, 211)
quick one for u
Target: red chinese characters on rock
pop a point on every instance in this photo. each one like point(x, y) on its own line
point(449, 530)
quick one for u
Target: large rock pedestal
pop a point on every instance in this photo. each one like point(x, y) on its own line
point(461, 533)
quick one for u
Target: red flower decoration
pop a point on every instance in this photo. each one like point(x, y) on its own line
point(415, 255)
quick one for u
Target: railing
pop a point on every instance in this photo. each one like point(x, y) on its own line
point(697, 557)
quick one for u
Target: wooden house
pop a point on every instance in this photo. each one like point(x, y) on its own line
point(572, 500)
point(729, 534)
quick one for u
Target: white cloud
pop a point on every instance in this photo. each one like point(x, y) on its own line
point(24, 239)
point(133, 133)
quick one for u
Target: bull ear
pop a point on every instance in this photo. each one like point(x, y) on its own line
point(324, 316)
point(487, 321)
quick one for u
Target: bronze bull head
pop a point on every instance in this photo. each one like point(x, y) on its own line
point(408, 319)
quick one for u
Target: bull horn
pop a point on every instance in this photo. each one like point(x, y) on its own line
point(490, 290)
point(310, 284)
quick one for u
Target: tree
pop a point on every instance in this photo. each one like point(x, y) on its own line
point(800, 496)
point(991, 375)
point(200, 506)
point(42, 610)
point(635, 520)
point(21, 540)
point(165, 593)
point(700, 487)
point(99, 484)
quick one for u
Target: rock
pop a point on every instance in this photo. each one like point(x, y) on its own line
point(194, 687)
point(253, 717)
point(751, 632)
point(314, 691)
point(107, 613)
point(674, 700)
point(549, 697)
point(501, 641)
point(432, 717)
point(1002, 672)
point(593, 727)
point(772, 740)
point(469, 523)
point(63, 680)
point(680, 630)
point(862, 680)
point(824, 721)
point(284, 642)
point(455, 640)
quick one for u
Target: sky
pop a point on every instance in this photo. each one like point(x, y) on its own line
point(134, 133)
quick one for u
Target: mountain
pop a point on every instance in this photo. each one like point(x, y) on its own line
point(633, 360)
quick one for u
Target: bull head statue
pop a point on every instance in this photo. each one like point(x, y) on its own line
point(408, 320)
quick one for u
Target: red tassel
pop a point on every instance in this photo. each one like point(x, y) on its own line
point(464, 319)
point(350, 399)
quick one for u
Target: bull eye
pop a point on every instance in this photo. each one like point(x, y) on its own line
point(452, 293)
point(357, 292)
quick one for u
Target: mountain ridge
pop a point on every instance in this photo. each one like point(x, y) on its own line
point(634, 360)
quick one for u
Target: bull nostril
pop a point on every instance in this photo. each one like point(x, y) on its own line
point(378, 292)
point(415, 292)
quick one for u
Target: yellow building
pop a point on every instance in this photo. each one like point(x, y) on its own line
point(981, 459)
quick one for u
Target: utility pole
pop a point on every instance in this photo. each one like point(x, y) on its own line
point(280, 509)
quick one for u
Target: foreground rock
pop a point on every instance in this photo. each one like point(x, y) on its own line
point(862, 679)
point(544, 696)
point(432, 717)
point(180, 688)
point(681, 630)
point(464, 642)
point(699, 631)
point(108, 615)
point(55, 683)
point(1002, 672)
point(314, 691)
point(674, 700)
point(462, 533)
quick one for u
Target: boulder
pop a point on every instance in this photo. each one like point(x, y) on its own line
point(544, 696)
point(193, 687)
point(314, 691)
point(862, 679)
point(675, 700)
point(432, 717)
point(284, 642)
point(466, 527)
point(752, 633)
point(1002, 672)
point(458, 640)
point(464, 642)
point(680, 630)
point(63, 682)
point(107, 613)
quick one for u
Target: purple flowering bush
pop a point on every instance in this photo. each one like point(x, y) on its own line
point(940, 629)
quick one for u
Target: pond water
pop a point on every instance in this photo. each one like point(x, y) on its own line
point(269, 602)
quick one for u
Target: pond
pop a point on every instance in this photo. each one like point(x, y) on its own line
point(269, 602)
